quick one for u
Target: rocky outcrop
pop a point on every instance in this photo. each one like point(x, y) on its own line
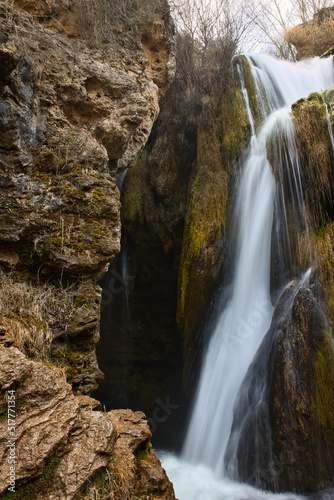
point(140, 470)
point(313, 118)
point(286, 400)
point(74, 112)
point(61, 446)
point(314, 38)
point(58, 445)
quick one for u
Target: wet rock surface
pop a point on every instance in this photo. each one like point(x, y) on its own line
point(283, 416)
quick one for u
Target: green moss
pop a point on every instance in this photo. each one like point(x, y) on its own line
point(27, 253)
point(324, 258)
point(236, 127)
point(68, 360)
point(252, 93)
point(219, 144)
point(98, 487)
point(142, 451)
point(37, 486)
point(310, 118)
point(324, 373)
point(137, 192)
point(319, 233)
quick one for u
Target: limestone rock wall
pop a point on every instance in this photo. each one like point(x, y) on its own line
point(74, 111)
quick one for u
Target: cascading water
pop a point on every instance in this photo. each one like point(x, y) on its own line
point(247, 316)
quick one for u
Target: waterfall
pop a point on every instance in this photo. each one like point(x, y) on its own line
point(248, 314)
point(246, 318)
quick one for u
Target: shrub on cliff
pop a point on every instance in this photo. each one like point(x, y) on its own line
point(31, 316)
point(97, 20)
point(315, 37)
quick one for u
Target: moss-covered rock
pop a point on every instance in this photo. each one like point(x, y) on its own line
point(313, 117)
point(177, 198)
point(222, 139)
point(284, 412)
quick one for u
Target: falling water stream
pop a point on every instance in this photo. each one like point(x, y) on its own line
point(199, 474)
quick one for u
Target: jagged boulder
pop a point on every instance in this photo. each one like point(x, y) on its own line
point(58, 445)
point(61, 444)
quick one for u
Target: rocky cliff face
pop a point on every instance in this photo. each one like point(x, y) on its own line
point(73, 114)
point(175, 208)
point(79, 91)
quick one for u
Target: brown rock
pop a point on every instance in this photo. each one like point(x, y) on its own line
point(61, 444)
point(142, 473)
point(73, 113)
point(51, 430)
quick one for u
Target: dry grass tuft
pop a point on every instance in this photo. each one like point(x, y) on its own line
point(116, 483)
point(32, 315)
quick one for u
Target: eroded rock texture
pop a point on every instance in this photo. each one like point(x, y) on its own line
point(61, 444)
point(73, 113)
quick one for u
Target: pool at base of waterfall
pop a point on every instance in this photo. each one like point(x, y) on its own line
point(198, 482)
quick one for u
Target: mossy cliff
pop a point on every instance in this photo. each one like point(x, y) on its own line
point(313, 117)
point(222, 136)
point(286, 439)
point(292, 432)
point(302, 363)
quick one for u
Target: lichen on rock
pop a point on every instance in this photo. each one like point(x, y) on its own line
point(74, 112)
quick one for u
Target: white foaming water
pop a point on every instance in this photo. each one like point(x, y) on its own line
point(198, 482)
point(248, 314)
point(246, 318)
point(285, 82)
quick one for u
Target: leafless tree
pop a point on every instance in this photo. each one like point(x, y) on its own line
point(305, 9)
point(207, 21)
point(272, 18)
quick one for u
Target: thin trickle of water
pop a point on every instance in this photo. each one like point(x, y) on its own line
point(329, 124)
point(246, 99)
point(125, 276)
point(248, 314)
